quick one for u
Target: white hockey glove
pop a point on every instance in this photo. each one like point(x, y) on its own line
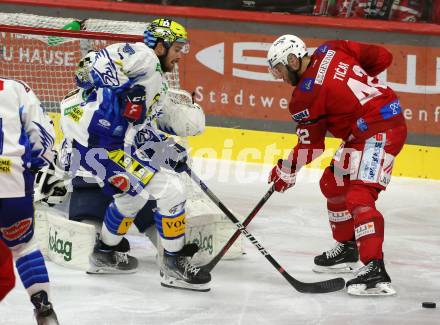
point(180, 116)
point(50, 186)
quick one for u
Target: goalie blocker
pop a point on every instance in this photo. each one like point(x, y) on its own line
point(70, 242)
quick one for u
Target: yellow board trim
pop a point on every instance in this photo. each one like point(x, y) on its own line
point(267, 147)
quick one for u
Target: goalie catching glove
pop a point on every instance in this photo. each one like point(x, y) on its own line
point(50, 187)
point(282, 175)
point(180, 115)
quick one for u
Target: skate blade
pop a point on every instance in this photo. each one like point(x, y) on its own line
point(170, 282)
point(47, 320)
point(190, 287)
point(381, 289)
point(108, 270)
point(337, 269)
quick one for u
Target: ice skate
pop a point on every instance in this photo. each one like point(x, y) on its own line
point(371, 280)
point(343, 258)
point(112, 259)
point(44, 313)
point(176, 271)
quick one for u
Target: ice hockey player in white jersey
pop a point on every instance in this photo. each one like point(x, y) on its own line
point(26, 140)
point(114, 137)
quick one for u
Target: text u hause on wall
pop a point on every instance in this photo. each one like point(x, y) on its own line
point(38, 56)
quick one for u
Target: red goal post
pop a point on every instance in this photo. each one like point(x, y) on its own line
point(46, 59)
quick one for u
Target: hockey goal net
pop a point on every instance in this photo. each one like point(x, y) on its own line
point(44, 52)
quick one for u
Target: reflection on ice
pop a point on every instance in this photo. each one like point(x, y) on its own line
point(293, 226)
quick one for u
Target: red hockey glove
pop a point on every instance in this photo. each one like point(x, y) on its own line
point(282, 177)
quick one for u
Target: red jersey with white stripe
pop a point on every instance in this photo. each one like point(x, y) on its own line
point(339, 93)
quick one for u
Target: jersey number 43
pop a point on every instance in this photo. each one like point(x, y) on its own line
point(364, 92)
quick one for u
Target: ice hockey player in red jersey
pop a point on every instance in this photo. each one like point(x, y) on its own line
point(7, 276)
point(337, 91)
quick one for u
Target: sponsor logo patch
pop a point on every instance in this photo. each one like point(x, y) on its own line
point(390, 110)
point(120, 181)
point(59, 246)
point(322, 49)
point(17, 230)
point(301, 115)
point(74, 112)
point(323, 67)
point(364, 230)
point(307, 84)
point(5, 165)
point(174, 227)
point(387, 169)
point(362, 125)
point(131, 165)
point(125, 225)
point(104, 123)
point(372, 158)
point(339, 216)
point(128, 49)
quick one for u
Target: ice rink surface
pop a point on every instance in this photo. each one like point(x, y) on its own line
point(294, 228)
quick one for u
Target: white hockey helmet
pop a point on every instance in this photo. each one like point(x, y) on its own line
point(82, 73)
point(280, 50)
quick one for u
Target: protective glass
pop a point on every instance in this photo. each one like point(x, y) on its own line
point(184, 44)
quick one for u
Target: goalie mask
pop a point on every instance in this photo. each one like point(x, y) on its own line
point(82, 73)
point(168, 31)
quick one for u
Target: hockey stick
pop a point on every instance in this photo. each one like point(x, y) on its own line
point(208, 267)
point(303, 287)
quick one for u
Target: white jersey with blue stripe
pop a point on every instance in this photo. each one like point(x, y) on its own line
point(26, 136)
point(95, 119)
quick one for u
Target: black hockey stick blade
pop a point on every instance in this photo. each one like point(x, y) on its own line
point(326, 286)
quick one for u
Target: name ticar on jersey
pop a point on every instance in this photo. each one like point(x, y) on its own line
point(341, 71)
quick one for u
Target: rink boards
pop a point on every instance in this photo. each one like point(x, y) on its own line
point(267, 147)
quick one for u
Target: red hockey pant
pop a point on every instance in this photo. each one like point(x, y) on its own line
point(359, 171)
